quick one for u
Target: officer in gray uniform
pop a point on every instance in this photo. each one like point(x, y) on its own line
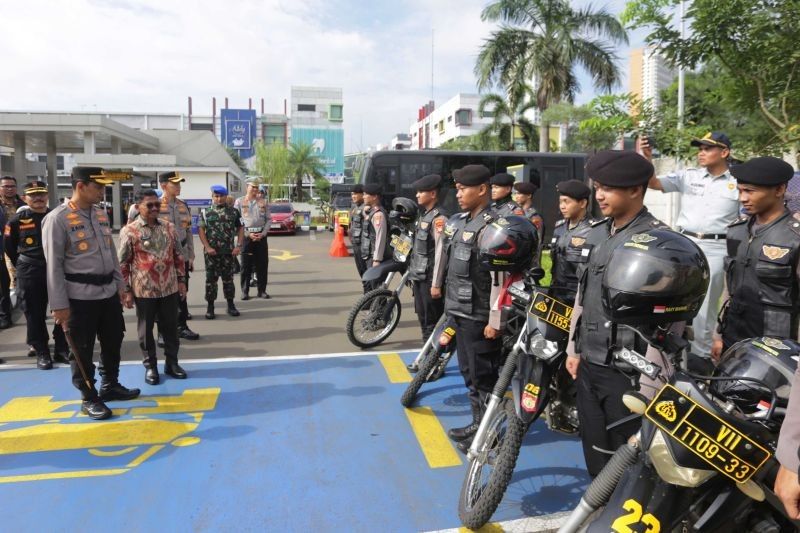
point(374, 232)
point(426, 255)
point(567, 249)
point(761, 280)
point(620, 180)
point(255, 253)
point(85, 288)
point(502, 203)
point(356, 228)
point(523, 197)
point(709, 202)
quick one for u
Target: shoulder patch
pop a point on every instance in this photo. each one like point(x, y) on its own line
point(595, 223)
point(438, 224)
point(562, 222)
point(741, 220)
point(488, 217)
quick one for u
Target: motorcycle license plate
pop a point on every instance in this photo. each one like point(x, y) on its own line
point(402, 244)
point(706, 435)
point(550, 310)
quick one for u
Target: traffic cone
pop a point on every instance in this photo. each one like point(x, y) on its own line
point(338, 247)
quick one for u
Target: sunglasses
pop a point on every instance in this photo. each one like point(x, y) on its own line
point(152, 205)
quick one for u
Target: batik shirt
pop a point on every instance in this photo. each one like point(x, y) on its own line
point(150, 258)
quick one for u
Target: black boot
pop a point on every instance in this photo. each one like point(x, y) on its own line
point(43, 361)
point(463, 446)
point(61, 355)
point(210, 311)
point(151, 376)
point(232, 308)
point(174, 369)
point(468, 431)
point(245, 294)
point(95, 409)
point(110, 392)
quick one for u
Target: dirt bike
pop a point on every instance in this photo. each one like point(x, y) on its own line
point(535, 371)
point(432, 360)
point(698, 463)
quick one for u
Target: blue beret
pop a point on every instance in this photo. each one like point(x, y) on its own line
point(219, 189)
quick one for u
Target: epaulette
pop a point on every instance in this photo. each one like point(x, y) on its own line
point(561, 222)
point(178, 200)
point(794, 223)
point(488, 216)
point(741, 220)
point(595, 223)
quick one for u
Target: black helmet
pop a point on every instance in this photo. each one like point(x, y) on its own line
point(403, 210)
point(657, 276)
point(508, 244)
point(764, 358)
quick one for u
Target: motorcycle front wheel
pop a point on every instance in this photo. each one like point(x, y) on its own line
point(489, 474)
point(429, 361)
point(373, 318)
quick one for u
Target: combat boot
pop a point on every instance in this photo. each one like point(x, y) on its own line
point(210, 311)
point(232, 308)
point(110, 392)
point(468, 431)
point(43, 361)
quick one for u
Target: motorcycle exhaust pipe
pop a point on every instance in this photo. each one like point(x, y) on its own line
point(602, 487)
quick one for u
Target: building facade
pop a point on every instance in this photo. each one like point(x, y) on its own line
point(458, 117)
point(317, 116)
point(650, 73)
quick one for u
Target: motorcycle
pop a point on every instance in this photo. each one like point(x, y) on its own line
point(537, 375)
point(698, 463)
point(432, 360)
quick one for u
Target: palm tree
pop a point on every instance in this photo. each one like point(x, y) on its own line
point(304, 162)
point(508, 114)
point(544, 41)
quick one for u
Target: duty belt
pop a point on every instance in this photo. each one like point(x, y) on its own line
point(90, 279)
point(712, 236)
point(35, 261)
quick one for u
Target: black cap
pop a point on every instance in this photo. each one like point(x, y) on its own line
point(87, 174)
point(767, 171)
point(427, 183)
point(713, 138)
point(35, 187)
point(619, 168)
point(575, 189)
point(471, 175)
point(525, 187)
point(372, 188)
point(358, 188)
point(170, 176)
point(503, 179)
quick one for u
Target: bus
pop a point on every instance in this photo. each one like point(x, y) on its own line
point(396, 170)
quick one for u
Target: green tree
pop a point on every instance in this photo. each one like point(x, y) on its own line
point(545, 41)
point(578, 140)
point(754, 42)
point(304, 162)
point(273, 166)
point(482, 141)
point(508, 114)
point(238, 160)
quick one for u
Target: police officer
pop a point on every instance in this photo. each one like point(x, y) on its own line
point(502, 204)
point(620, 180)
point(468, 294)
point(761, 284)
point(85, 288)
point(374, 232)
point(709, 202)
point(523, 197)
point(426, 255)
point(356, 228)
point(176, 211)
point(219, 226)
point(569, 237)
point(10, 202)
point(23, 245)
point(255, 254)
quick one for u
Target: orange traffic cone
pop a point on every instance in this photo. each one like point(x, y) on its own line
point(338, 247)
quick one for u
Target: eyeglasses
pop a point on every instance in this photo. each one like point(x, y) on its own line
point(152, 205)
point(8, 186)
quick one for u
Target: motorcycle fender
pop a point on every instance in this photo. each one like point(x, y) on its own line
point(382, 270)
point(531, 387)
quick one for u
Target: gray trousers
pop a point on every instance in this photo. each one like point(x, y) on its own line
point(705, 322)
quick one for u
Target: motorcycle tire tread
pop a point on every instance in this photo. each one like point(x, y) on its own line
point(428, 362)
point(360, 304)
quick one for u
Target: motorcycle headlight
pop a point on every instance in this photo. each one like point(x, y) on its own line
point(669, 470)
point(541, 347)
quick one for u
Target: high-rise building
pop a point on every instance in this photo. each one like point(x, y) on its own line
point(317, 114)
point(650, 73)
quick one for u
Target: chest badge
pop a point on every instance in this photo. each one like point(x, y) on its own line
point(26, 220)
point(424, 225)
point(577, 242)
point(642, 238)
point(731, 186)
point(29, 240)
point(467, 235)
point(774, 252)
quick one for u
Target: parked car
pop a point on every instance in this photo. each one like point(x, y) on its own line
point(282, 218)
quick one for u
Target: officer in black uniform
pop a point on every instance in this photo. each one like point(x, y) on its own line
point(426, 255)
point(356, 228)
point(502, 203)
point(523, 196)
point(23, 245)
point(374, 232)
point(468, 294)
point(620, 180)
point(761, 281)
point(569, 236)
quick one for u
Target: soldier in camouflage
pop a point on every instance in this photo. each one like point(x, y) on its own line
point(219, 226)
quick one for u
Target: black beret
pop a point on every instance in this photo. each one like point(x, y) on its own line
point(427, 183)
point(172, 176)
point(503, 179)
point(765, 171)
point(619, 168)
point(358, 188)
point(87, 174)
point(713, 138)
point(372, 188)
point(575, 189)
point(35, 187)
point(525, 187)
point(471, 175)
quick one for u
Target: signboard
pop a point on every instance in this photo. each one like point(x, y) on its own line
point(328, 145)
point(239, 130)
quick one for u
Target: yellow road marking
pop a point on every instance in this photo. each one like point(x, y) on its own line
point(487, 528)
point(395, 368)
point(432, 439)
point(64, 475)
point(145, 456)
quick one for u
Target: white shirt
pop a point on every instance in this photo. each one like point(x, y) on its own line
point(708, 204)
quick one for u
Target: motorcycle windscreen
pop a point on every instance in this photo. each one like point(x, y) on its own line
point(531, 387)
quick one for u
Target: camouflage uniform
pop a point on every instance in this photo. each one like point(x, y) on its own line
point(221, 224)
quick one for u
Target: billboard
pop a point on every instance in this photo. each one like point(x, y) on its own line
point(239, 130)
point(328, 144)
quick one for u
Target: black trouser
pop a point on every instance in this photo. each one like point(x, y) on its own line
point(32, 291)
point(361, 264)
point(165, 311)
point(599, 403)
point(479, 359)
point(101, 319)
point(5, 291)
point(428, 310)
point(183, 307)
point(255, 257)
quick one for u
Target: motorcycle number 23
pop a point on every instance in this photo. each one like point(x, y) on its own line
point(634, 516)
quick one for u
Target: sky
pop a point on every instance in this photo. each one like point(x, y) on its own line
point(150, 55)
